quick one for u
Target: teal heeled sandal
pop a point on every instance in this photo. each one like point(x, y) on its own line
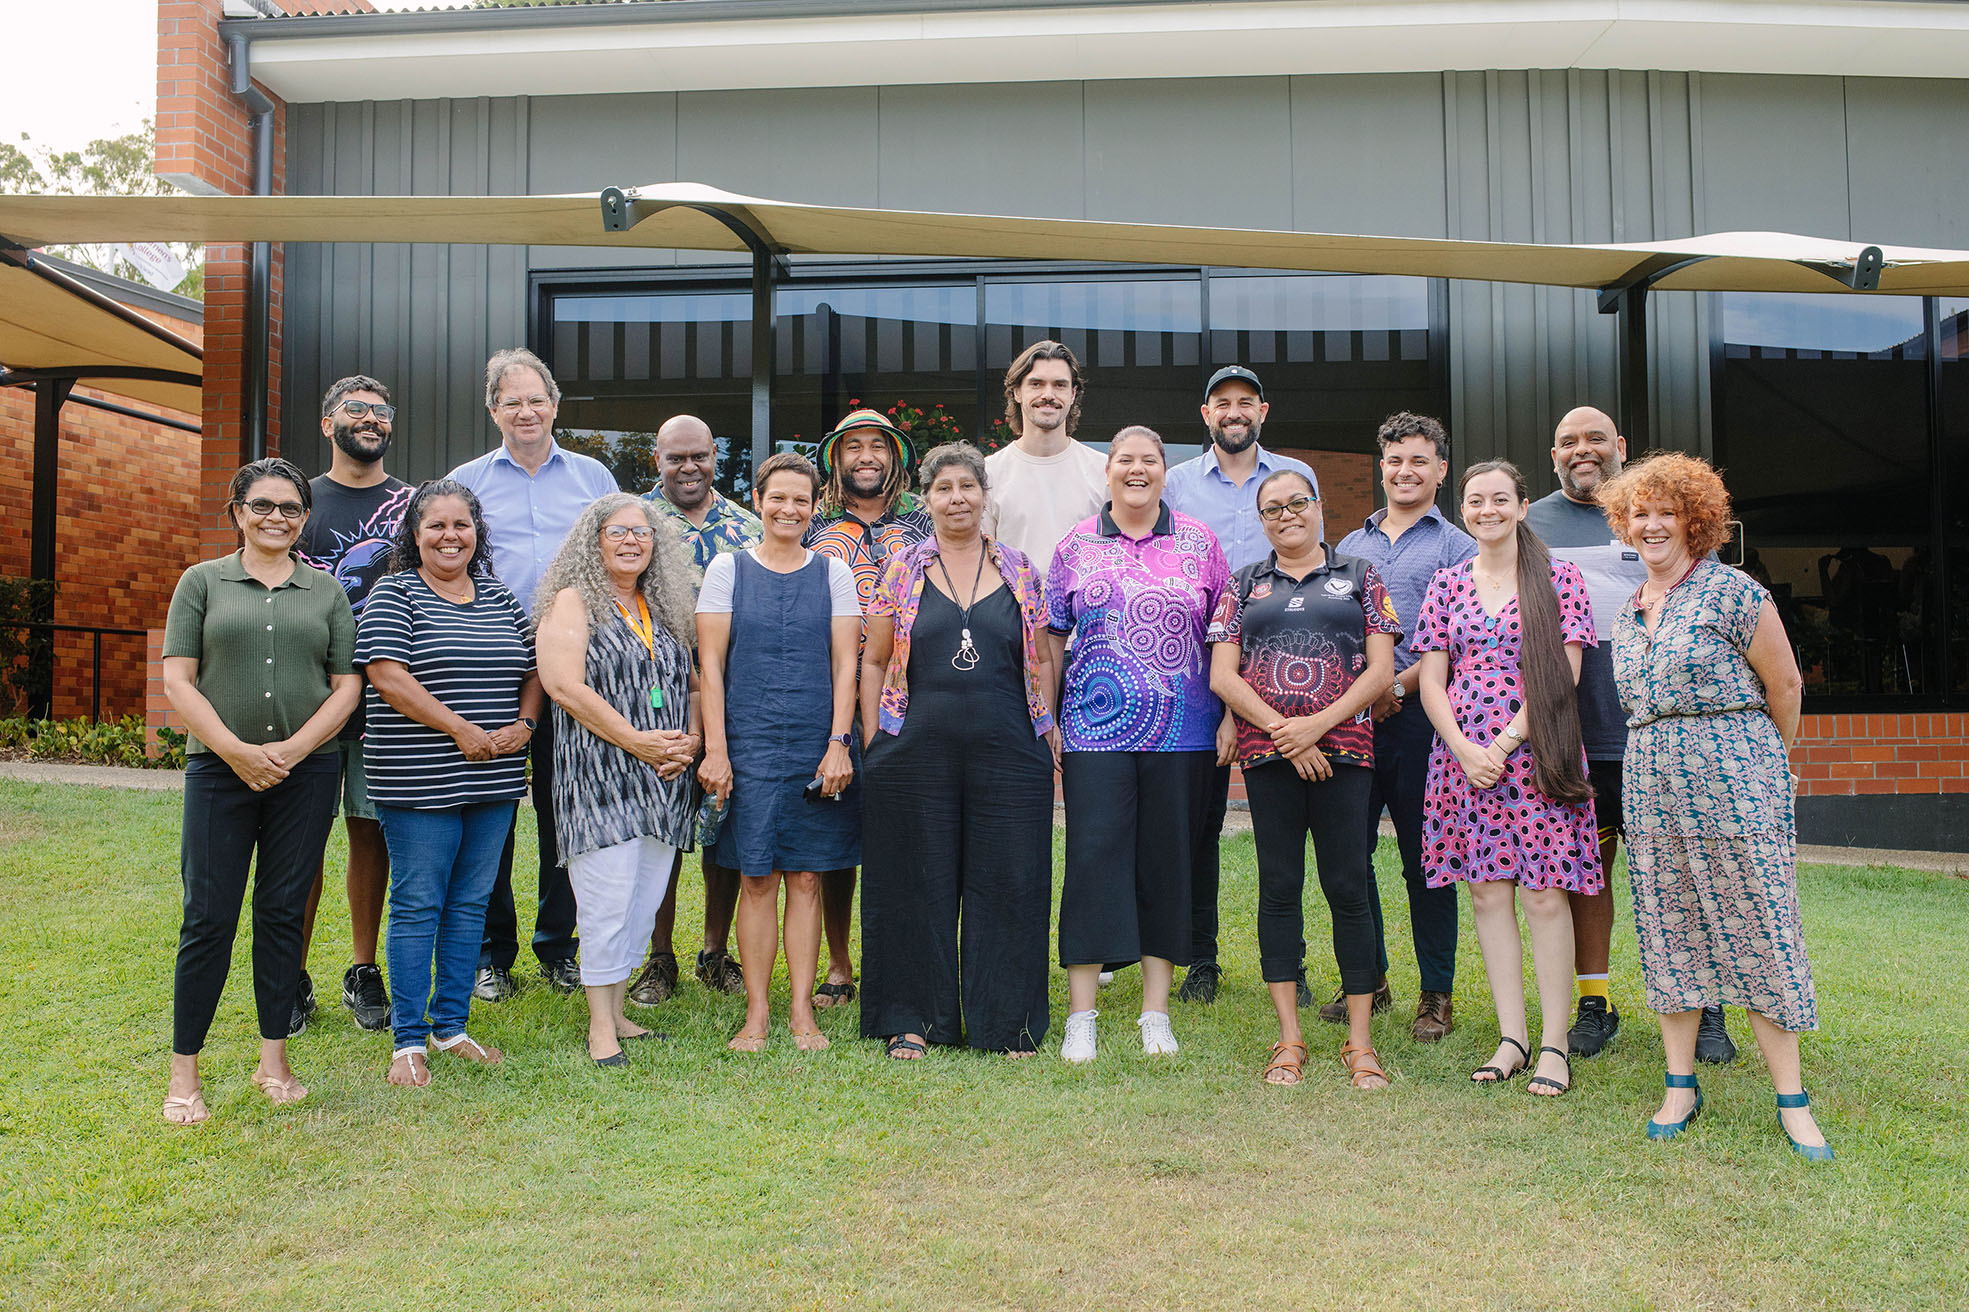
point(1810, 1152)
point(1656, 1130)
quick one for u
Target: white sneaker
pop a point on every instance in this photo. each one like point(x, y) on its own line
point(1104, 979)
point(1158, 1040)
point(1079, 1043)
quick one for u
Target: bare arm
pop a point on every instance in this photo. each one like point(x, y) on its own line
point(397, 686)
point(252, 763)
point(1773, 661)
point(836, 763)
point(714, 634)
point(874, 671)
point(1237, 695)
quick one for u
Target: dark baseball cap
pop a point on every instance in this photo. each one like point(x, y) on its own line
point(1240, 373)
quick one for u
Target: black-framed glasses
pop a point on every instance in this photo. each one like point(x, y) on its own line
point(287, 509)
point(1296, 506)
point(617, 532)
point(357, 409)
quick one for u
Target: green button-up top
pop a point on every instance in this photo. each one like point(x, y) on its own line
point(264, 655)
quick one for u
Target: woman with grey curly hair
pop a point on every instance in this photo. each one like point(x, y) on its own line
point(615, 630)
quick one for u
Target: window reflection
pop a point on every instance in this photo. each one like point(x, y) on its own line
point(1954, 319)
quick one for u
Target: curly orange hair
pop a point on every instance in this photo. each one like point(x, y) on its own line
point(1685, 482)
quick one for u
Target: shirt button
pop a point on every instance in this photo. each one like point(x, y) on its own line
point(270, 728)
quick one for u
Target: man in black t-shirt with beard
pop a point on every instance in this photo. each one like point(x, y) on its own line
point(349, 535)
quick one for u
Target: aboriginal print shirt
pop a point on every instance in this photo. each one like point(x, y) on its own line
point(900, 594)
point(867, 548)
point(1302, 644)
point(1138, 668)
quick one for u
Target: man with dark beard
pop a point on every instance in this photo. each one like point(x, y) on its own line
point(867, 514)
point(1220, 487)
point(357, 507)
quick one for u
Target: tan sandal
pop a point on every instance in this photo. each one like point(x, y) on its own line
point(1363, 1063)
point(1285, 1064)
point(280, 1092)
point(189, 1110)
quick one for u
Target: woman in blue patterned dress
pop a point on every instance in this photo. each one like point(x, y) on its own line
point(615, 639)
point(1712, 693)
point(1509, 810)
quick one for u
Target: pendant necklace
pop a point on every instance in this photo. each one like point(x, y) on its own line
point(967, 655)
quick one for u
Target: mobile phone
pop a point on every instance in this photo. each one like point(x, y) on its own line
point(813, 793)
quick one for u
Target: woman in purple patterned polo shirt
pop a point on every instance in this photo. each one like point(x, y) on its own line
point(1134, 586)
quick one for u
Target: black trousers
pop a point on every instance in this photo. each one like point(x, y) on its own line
point(553, 923)
point(226, 825)
point(1204, 868)
point(956, 885)
point(1284, 810)
point(1401, 782)
point(1132, 821)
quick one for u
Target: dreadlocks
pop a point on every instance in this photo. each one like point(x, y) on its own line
point(834, 493)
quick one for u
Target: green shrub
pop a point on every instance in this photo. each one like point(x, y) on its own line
point(119, 742)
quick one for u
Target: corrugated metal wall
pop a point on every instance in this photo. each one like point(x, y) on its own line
point(1566, 156)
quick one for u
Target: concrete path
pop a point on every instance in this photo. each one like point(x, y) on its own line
point(1238, 820)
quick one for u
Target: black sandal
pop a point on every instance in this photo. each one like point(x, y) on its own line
point(842, 994)
point(1502, 1076)
point(900, 1044)
point(1537, 1080)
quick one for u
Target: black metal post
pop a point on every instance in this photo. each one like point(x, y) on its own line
point(96, 680)
point(764, 355)
point(1635, 422)
point(49, 396)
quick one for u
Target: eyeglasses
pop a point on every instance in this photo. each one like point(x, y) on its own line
point(1295, 506)
point(288, 509)
point(357, 409)
point(617, 532)
point(513, 405)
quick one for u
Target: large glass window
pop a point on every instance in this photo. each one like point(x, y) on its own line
point(1954, 371)
point(1823, 434)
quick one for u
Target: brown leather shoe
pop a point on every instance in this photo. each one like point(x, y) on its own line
point(1432, 1017)
point(1335, 1012)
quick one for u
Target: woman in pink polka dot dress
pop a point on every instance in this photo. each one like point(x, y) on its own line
point(1509, 809)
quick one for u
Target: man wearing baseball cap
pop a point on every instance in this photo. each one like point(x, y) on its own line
point(866, 515)
point(1220, 487)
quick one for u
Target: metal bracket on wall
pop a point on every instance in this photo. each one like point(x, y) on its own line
point(1861, 275)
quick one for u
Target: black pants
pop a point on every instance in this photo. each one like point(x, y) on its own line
point(1284, 809)
point(1132, 820)
point(957, 885)
point(226, 824)
point(1401, 782)
point(553, 923)
point(1204, 867)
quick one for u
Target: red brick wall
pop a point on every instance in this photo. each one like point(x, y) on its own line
point(1347, 482)
point(1917, 752)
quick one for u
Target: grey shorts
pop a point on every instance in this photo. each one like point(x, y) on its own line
point(355, 782)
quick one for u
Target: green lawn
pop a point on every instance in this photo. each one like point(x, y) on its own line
point(703, 1179)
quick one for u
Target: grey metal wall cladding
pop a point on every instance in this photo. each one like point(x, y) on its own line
point(1561, 156)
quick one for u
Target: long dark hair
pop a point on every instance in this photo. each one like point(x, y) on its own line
point(1551, 695)
point(405, 553)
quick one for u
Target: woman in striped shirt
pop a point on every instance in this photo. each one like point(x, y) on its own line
point(452, 704)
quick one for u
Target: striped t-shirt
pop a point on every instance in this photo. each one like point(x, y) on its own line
point(472, 658)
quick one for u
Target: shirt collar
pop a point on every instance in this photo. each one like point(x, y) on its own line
point(1270, 565)
point(554, 452)
point(232, 568)
point(1165, 522)
point(1373, 521)
point(1265, 461)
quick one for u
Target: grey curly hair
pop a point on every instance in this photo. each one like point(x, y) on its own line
point(665, 584)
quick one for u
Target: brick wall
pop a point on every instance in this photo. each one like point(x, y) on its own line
point(1848, 755)
point(1348, 480)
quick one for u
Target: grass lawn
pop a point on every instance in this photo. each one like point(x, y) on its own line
point(703, 1179)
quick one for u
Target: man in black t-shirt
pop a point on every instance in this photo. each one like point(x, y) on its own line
point(349, 535)
point(1587, 450)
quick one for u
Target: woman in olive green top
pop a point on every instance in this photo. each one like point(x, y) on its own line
point(256, 661)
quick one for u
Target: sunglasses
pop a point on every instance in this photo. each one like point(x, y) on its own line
point(357, 409)
point(1295, 506)
point(287, 509)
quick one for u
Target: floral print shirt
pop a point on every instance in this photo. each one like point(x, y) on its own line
point(1138, 671)
point(867, 549)
point(900, 595)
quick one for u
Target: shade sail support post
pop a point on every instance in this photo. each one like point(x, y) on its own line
point(1635, 421)
point(256, 367)
point(50, 395)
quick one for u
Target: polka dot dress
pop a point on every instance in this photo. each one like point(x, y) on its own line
point(1511, 830)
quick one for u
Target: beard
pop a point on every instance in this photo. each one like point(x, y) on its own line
point(1578, 491)
point(346, 443)
point(1230, 443)
point(865, 485)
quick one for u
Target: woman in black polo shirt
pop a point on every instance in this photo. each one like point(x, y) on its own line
point(1302, 644)
point(256, 661)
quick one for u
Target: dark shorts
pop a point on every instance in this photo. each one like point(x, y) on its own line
point(1605, 778)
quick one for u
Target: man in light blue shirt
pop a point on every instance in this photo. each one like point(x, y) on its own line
point(1220, 487)
point(1407, 541)
point(531, 490)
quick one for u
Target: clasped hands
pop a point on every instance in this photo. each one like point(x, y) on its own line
point(1297, 739)
point(480, 745)
point(1483, 766)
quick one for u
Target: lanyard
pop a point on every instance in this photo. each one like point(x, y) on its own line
point(646, 631)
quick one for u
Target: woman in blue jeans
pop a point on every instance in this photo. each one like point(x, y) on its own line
point(452, 704)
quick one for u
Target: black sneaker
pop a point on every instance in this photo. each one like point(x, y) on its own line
point(720, 971)
point(304, 1007)
point(364, 994)
point(1598, 1022)
point(564, 975)
point(1200, 983)
point(1713, 1038)
point(493, 984)
point(1335, 1012)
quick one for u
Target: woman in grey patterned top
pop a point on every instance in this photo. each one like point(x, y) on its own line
point(614, 637)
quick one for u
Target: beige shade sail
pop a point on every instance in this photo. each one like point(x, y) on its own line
point(51, 322)
point(683, 216)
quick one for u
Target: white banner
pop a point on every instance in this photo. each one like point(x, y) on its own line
point(155, 261)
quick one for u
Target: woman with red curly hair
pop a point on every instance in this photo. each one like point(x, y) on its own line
point(1712, 691)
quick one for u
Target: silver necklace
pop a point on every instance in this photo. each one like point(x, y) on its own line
point(967, 654)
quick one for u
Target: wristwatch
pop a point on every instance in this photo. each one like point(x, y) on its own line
point(844, 739)
point(1508, 732)
point(530, 723)
point(1399, 691)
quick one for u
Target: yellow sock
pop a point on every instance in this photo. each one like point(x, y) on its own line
point(1592, 986)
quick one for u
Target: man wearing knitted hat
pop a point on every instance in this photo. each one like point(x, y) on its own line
point(866, 515)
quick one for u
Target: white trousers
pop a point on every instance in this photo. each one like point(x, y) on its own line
point(617, 891)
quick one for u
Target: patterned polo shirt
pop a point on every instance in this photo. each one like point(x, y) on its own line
point(1138, 672)
point(727, 526)
point(867, 548)
point(1302, 643)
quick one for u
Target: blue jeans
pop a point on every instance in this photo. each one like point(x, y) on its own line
point(442, 864)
